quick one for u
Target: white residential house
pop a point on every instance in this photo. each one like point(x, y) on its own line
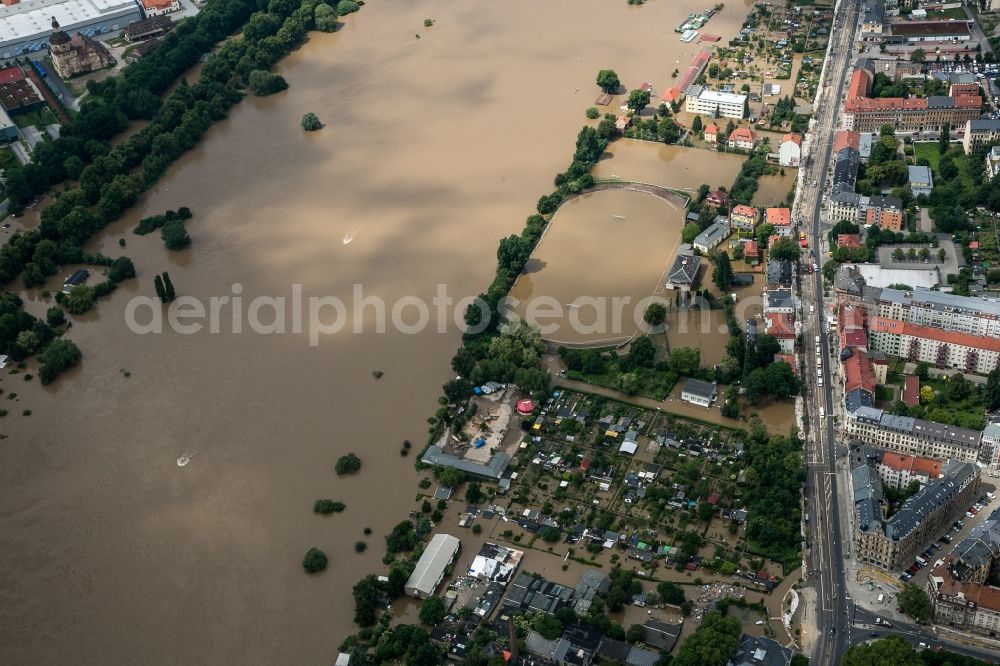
point(790, 150)
point(699, 393)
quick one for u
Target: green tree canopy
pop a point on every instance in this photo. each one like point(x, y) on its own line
point(712, 644)
point(638, 100)
point(311, 122)
point(891, 651)
point(723, 275)
point(914, 602)
point(432, 611)
point(608, 81)
point(314, 560)
point(655, 314)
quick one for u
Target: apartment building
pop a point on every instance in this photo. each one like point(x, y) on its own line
point(905, 434)
point(959, 588)
point(892, 544)
point(990, 448)
point(866, 114)
point(847, 206)
point(961, 351)
point(886, 212)
point(708, 102)
point(980, 132)
point(949, 312)
point(898, 470)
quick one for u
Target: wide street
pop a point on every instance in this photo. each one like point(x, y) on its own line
point(825, 537)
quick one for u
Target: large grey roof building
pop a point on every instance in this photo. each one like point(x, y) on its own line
point(429, 572)
point(761, 651)
point(891, 543)
point(906, 434)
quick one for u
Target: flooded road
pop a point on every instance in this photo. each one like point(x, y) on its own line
point(599, 247)
point(111, 553)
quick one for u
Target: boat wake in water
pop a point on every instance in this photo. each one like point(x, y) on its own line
point(349, 236)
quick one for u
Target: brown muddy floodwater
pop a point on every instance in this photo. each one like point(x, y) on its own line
point(676, 167)
point(434, 148)
point(772, 190)
point(603, 247)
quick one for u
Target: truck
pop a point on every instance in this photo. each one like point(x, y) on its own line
point(882, 623)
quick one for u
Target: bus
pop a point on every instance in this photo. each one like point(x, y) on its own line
point(39, 68)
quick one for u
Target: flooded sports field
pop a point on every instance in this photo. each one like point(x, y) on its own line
point(676, 167)
point(600, 247)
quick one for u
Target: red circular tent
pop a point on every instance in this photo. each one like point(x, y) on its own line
point(525, 407)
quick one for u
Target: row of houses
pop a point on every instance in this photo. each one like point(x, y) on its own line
point(891, 543)
point(960, 588)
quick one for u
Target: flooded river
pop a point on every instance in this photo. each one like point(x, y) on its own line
point(434, 148)
point(600, 248)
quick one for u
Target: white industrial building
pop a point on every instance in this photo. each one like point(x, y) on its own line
point(429, 572)
point(707, 102)
point(25, 27)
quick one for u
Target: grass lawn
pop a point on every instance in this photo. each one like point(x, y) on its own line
point(988, 241)
point(956, 13)
point(929, 151)
point(967, 414)
point(884, 393)
point(39, 118)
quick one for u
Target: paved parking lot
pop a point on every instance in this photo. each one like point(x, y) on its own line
point(950, 265)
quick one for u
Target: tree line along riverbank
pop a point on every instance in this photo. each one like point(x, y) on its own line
point(109, 179)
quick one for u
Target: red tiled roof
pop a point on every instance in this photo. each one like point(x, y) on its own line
point(967, 101)
point(853, 337)
point(885, 104)
point(911, 390)
point(915, 464)
point(750, 249)
point(964, 89)
point(884, 325)
point(713, 499)
point(789, 359)
point(851, 317)
point(780, 326)
point(983, 596)
point(743, 134)
point(846, 139)
point(850, 241)
point(779, 217)
point(671, 95)
point(11, 74)
point(858, 373)
point(794, 138)
point(973, 245)
point(711, 128)
point(156, 4)
point(858, 89)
